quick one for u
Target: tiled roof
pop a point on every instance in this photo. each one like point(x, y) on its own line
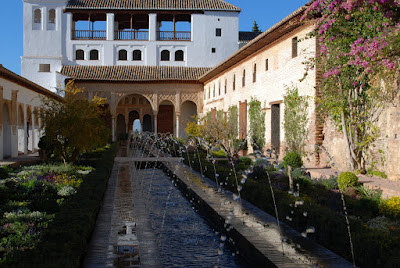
point(247, 36)
point(133, 73)
point(13, 77)
point(216, 5)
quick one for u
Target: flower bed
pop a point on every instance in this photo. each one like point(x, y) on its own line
point(48, 212)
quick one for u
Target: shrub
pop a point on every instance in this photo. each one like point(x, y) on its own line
point(219, 154)
point(347, 179)
point(330, 183)
point(292, 159)
point(390, 207)
point(3, 173)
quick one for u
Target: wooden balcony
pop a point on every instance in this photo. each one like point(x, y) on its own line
point(89, 35)
point(131, 35)
point(173, 36)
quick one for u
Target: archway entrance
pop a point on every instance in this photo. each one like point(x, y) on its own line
point(130, 108)
point(6, 133)
point(188, 112)
point(147, 123)
point(165, 118)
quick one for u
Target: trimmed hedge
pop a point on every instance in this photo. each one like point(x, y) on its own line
point(66, 239)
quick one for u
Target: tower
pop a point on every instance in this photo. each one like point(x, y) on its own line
point(43, 41)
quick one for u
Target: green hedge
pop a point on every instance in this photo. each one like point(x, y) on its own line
point(66, 239)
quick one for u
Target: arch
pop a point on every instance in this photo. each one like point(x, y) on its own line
point(133, 115)
point(37, 16)
point(188, 112)
point(79, 54)
point(133, 100)
point(122, 54)
point(179, 55)
point(165, 117)
point(137, 55)
point(6, 131)
point(121, 128)
point(141, 101)
point(147, 123)
point(94, 54)
point(120, 100)
point(165, 55)
point(52, 16)
point(126, 100)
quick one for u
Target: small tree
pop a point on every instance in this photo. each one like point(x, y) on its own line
point(257, 124)
point(295, 120)
point(255, 28)
point(75, 125)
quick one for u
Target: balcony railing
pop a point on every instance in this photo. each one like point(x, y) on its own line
point(175, 36)
point(89, 35)
point(131, 35)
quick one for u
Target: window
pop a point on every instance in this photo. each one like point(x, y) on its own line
point(254, 73)
point(179, 55)
point(94, 54)
point(79, 54)
point(266, 65)
point(213, 50)
point(214, 91)
point(219, 88)
point(137, 54)
point(122, 54)
point(218, 32)
point(52, 16)
point(234, 82)
point(44, 68)
point(209, 92)
point(244, 78)
point(294, 47)
point(226, 81)
point(37, 17)
point(165, 55)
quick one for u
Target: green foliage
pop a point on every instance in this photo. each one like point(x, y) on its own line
point(295, 120)
point(360, 69)
point(257, 124)
point(233, 120)
point(255, 28)
point(372, 194)
point(390, 207)
point(219, 154)
point(292, 159)
point(3, 173)
point(73, 126)
point(330, 183)
point(377, 173)
point(347, 179)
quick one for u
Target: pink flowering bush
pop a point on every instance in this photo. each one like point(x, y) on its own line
point(358, 52)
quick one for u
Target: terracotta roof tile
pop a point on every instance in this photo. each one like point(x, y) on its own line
point(133, 73)
point(215, 5)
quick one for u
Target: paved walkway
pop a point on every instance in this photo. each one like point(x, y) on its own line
point(389, 188)
point(32, 158)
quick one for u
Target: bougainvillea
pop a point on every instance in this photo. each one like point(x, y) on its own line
point(358, 53)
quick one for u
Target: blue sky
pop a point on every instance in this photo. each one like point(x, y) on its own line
point(265, 12)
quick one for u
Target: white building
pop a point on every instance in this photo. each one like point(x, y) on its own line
point(185, 33)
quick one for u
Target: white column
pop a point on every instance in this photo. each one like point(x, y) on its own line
point(70, 26)
point(152, 27)
point(110, 26)
point(33, 129)
point(25, 131)
point(113, 128)
point(177, 125)
point(155, 122)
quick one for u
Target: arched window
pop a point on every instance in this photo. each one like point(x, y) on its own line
point(165, 55)
point(226, 82)
point(37, 17)
point(254, 73)
point(179, 55)
point(234, 82)
point(133, 100)
point(52, 16)
point(122, 54)
point(79, 54)
point(94, 54)
point(219, 88)
point(137, 55)
point(244, 78)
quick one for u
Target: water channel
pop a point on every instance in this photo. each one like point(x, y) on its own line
point(184, 237)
